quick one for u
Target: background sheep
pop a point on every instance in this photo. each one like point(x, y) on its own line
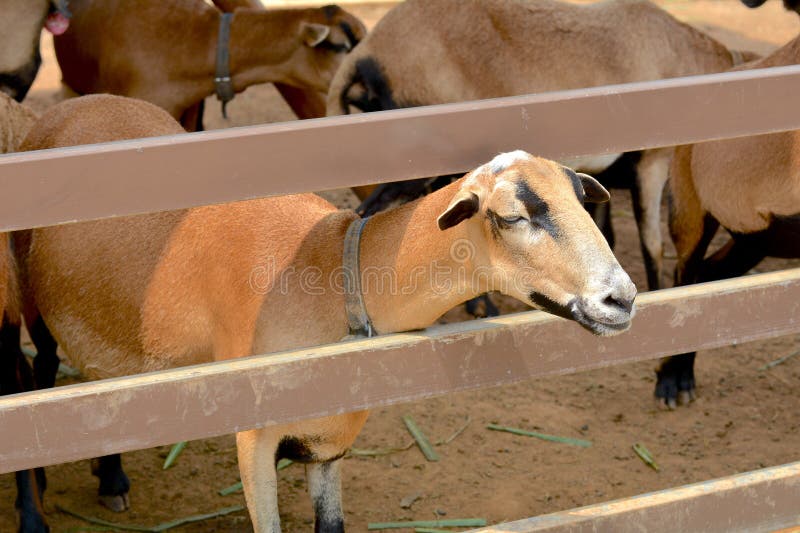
point(165, 52)
point(493, 48)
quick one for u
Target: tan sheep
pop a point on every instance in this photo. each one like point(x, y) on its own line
point(424, 53)
point(751, 187)
point(224, 281)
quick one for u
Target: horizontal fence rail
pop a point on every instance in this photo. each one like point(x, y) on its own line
point(138, 176)
point(761, 501)
point(93, 419)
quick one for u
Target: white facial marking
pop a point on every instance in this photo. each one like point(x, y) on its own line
point(505, 160)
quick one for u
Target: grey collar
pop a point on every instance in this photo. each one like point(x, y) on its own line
point(357, 316)
point(222, 79)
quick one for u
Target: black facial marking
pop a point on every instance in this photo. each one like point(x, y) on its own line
point(792, 5)
point(333, 47)
point(553, 307)
point(377, 92)
point(348, 31)
point(538, 210)
point(16, 83)
point(330, 12)
point(576, 184)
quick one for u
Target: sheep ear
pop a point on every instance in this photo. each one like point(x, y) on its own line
point(595, 193)
point(464, 205)
point(314, 34)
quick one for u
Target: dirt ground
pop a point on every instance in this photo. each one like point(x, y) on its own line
point(744, 417)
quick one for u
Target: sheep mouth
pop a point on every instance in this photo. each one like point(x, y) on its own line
point(600, 327)
point(573, 310)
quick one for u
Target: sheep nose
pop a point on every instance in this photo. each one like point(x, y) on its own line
point(625, 304)
point(621, 292)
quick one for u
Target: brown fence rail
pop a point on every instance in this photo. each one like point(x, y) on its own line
point(764, 500)
point(87, 420)
point(82, 183)
point(129, 177)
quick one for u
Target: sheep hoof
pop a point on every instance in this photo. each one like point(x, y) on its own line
point(685, 397)
point(117, 503)
point(675, 380)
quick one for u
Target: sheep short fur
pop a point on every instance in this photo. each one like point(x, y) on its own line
point(494, 48)
point(751, 187)
point(125, 295)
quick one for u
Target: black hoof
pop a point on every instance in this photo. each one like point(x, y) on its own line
point(329, 526)
point(118, 503)
point(675, 384)
point(114, 484)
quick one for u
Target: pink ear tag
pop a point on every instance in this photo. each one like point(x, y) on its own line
point(56, 23)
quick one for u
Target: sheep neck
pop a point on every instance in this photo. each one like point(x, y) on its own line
point(410, 275)
point(262, 44)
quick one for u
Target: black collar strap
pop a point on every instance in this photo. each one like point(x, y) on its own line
point(222, 79)
point(357, 316)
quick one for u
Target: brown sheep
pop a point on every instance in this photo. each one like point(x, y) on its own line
point(751, 187)
point(494, 48)
point(223, 281)
point(165, 52)
point(305, 103)
point(15, 122)
point(15, 373)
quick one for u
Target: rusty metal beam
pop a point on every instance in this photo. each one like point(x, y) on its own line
point(87, 420)
point(760, 501)
point(166, 173)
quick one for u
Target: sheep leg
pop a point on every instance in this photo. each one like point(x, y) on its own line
point(325, 485)
point(256, 449)
point(692, 229)
point(114, 483)
point(481, 307)
point(736, 258)
point(16, 376)
point(676, 375)
point(651, 175)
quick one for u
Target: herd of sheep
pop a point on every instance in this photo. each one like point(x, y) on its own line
point(135, 294)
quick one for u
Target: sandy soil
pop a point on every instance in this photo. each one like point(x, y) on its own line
point(744, 418)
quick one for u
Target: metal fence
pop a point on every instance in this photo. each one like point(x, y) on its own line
point(148, 175)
